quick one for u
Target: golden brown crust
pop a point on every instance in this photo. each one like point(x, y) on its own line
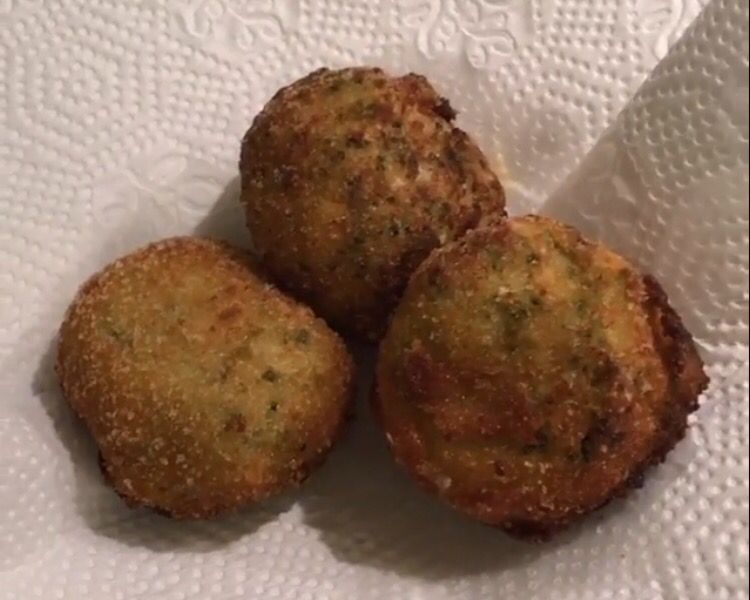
point(528, 376)
point(204, 387)
point(350, 178)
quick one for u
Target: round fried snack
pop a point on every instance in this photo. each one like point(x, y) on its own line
point(529, 376)
point(204, 387)
point(350, 178)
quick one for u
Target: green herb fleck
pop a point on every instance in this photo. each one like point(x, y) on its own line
point(540, 443)
point(270, 375)
point(603, 373)
point(601, 433)
point(119, 334)
point(496, 258)
point(355, 140)
point(517, 312)
point(369, 110)
point(235, 422)
point(394, 228)
point(513, 317)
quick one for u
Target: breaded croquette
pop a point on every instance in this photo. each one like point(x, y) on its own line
point(204, 387)
point(350, 178)
point(529, 375)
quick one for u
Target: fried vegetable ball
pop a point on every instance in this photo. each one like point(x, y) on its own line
point(529, 376)
point(204, 387)
point(350, 178)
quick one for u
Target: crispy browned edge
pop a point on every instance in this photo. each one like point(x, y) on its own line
point(687, 380)
point(299, 477)
point(303, 471)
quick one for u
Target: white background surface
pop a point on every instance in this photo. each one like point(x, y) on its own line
point(120, 123)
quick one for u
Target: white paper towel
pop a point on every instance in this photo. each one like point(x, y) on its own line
point(120, 123)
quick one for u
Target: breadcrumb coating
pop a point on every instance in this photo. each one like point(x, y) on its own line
point(204, 387)
point(529, 375)
point(350, 178)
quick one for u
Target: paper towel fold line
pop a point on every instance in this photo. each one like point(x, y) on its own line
point(667, 184)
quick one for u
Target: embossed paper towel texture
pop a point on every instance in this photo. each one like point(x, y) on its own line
point(119, 123)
